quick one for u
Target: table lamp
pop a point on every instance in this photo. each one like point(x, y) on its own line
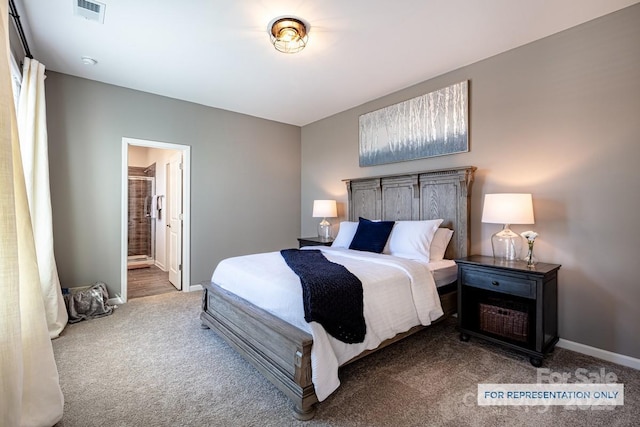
point(507, 209)
point(324, 209)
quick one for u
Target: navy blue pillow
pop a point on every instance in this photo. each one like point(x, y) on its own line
point(371, 236)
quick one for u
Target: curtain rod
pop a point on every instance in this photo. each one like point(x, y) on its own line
point(16, 20)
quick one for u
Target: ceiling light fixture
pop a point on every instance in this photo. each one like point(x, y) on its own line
point(288, 35)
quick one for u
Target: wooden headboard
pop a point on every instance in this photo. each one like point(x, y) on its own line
point(442, 193)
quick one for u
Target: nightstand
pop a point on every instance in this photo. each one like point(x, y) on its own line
point(314, 241)
point(509, 304)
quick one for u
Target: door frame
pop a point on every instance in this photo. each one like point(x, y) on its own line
point(186, 210)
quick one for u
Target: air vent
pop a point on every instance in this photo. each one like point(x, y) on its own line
point(91, 10)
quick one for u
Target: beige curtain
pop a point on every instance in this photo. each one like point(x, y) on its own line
point(30, 393)
point(32, 129)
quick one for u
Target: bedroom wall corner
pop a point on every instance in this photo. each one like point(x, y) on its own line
point(562, 111)
point(245, 176)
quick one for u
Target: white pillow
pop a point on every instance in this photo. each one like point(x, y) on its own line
point(439, 244)
point(412, 239)
point(345, 234)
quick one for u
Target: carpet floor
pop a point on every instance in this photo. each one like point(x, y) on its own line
point(150, 364)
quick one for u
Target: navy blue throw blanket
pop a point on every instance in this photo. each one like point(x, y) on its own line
point(331, 294)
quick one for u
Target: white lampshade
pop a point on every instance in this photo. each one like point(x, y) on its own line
point(508, 208)
point(324, 209)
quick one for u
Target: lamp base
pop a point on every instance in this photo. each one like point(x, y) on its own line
point(324, 229)
point(506, 245)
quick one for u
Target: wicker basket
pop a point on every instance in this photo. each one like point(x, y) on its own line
point(506, 322)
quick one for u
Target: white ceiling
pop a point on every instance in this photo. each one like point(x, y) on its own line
point(217, 52)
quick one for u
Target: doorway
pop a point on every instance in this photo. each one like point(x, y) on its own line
point(155, 218)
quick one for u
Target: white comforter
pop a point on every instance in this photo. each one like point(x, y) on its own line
point(398, 294)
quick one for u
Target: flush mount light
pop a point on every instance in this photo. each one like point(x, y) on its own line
point(87, 60)
point(288, 35)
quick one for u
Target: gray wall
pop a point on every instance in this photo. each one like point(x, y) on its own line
point(557, 118)
point(245, 176)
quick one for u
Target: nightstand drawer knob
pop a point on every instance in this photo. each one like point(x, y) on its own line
point(495, 283)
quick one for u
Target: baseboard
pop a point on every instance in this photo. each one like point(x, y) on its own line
point(115, 301)
point(609, 356)
point(160, 265)
point(194, 288)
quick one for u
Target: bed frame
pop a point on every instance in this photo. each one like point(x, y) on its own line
point(282, 352)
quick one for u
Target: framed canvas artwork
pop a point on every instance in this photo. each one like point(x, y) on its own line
point(434, 124)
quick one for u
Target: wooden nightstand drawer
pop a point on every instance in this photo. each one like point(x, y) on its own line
point(499, 283)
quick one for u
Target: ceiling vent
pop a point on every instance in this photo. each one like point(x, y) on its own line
point(91, 10)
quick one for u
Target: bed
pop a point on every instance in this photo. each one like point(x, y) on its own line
point(281, 351)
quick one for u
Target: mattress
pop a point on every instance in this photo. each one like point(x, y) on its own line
point(444, 272)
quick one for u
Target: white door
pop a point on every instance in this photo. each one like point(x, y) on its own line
point(175, 221)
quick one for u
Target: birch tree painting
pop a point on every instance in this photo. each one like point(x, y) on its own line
point(430, 125)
